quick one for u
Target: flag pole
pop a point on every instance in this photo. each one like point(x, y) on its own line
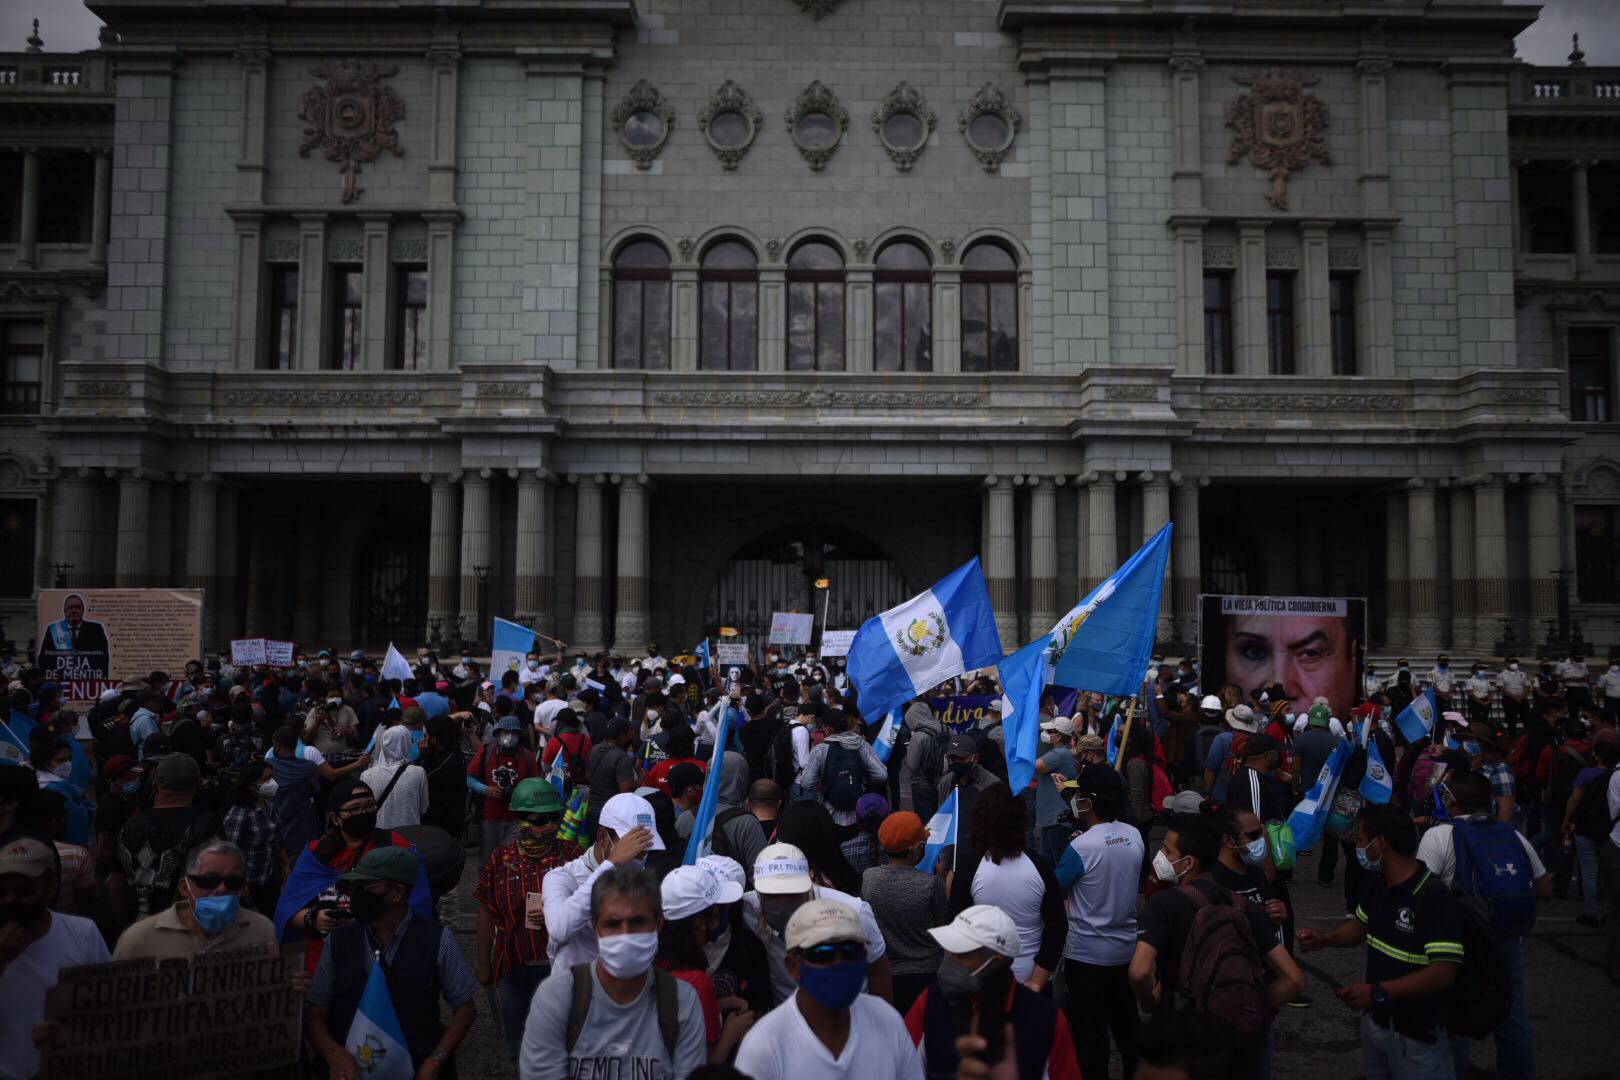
point(1125, 735)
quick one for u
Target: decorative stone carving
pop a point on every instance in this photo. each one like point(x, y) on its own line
point(281, 251)
point(1130, 392)
point(1220, 256)
point(816, 139)
point(1344, 258)
point(322, 397)
point(1282, 258)
point(818, 399)
point(346, 251)
point(1521, 395)
point(773, 248)
point(905, 138)
point(686, 246)
point(1278, 126)
point(411, 251)
point(352, 117)
point(103, 388)
point(730, 100)
point(859, 247)
point(643, 120)
point(1306, 402)
point(989, 102)
point(503, 389)
point(947, 251)
point(817, 9)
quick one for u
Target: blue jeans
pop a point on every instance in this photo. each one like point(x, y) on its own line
point(517, 988)
point(1515, 1053)
point(1586, 856)
point(1389, 1055)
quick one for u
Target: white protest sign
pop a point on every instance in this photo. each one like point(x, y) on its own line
point(790, 628)
point(836, 642)
point(248, 652)
point(726, 654)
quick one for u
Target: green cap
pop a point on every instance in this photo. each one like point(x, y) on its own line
point(1318, 716)
point(534, 796)
point(385, 864)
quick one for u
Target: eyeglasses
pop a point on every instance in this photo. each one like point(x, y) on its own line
point(364, 808)
point(832, 952)
point(210, 882)
point(1255, 835)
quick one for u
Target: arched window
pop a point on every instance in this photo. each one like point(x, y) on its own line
point(641, 306)
point(815, 320)
point(729, 281)
point(989, 309)
point(902, 308)
point(1550, 231)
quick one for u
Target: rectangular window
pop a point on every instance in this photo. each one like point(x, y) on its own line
point(410, 338)
point(730, 326)
point(349, 289)
point(22, 366)
point(1342, 322)
point(1280, 323)
point(1597, 554)
point(1218, 324)
point(1591, 375)
point(282, 351)
point(17, 547)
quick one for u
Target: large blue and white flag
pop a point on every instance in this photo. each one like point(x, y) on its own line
point(919, 644)
point(376, 1039)
point(394, 665)
point(1101, 644)
point(1417, 719)
point(1310, 816)
point(1377, 785)
point(888, 735)
point(701, 842)
point(1114, 733)
point(511, 643)
point(702, 652)
point(941, 833)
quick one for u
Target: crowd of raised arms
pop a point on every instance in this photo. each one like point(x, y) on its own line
point(829, 922)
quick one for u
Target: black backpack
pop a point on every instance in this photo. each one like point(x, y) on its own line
point(843, 776)
point(1482, 996)
point(719, 841)
point(779, 765)
point(1593, 819)
point(665, 995)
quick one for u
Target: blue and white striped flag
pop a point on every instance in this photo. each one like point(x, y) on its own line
point(1310, 816)
point(558, 774)
point(1114, 732)
point(1377, 785)
point(376, 1039)
point(887, 735)
point(934, 636)
point(941, 833)
point(701, 842)
point(703, 654)
point(1417, 719)
point(511, 642)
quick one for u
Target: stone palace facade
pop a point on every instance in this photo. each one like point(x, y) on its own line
point(636, 318)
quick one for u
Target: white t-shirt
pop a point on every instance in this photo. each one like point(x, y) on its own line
point(527, 676)
point(1438, 852)
point(1014, 886)
point(782, 1046)
point(315, 757)
point(545, 713)
point(69, 942)
point(781, 982)
point(1101, 903)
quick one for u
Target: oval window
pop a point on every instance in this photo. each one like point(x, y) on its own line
point(989, 131)
point(904, 131)
point(816, 131)
point(643, 129)
point(730, 130)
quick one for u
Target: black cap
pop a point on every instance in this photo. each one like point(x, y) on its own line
point(1100, 782)
point(683, 776)
point(1260, 744)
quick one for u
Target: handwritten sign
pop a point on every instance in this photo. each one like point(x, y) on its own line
point(261, 652)
point(727, 654)
point(227, 1014)
point(962, 713)
point(836, 642)
point(791, 628)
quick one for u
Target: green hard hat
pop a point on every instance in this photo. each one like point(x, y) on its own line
point(534, 796)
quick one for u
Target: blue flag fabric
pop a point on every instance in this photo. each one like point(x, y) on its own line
point(701, 842)
point(941, 833)
point(310, 877)
point(394, 665)
point(1417, 719)
point(1309, 817)
point(937, 634)
point(558, 773)
point(1114, 733)
point(888, 735)
point(376, 1037)
point(1377, 785)
point(1102, 644)
point(511, 643)
point(703, 654)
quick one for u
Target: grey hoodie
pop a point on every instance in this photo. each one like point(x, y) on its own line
point(745, 838)
point(924, 761)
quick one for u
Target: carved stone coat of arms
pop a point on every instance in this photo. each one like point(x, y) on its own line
point(351, 118)
point(1278, 126)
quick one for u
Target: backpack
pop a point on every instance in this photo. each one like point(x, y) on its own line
point(1521, 760)
point(1482, 996)
point(719, 841)
point(843, 777)
point(575, 769)
point(1221, 973)
point(1421, 783)
point(1593, 820)
point(1493, 876)
point(1162, 788)
point(665, 995)
point(779, 764)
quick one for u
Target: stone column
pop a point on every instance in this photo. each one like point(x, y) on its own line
point(1490, 562)
point(1185, 559)
point(1375, 317)
point(1545, 533)
point(374, 306)
point(632, 619)
point(1311, 302)
point(589, 631)
point(134, 529)
point(441, 239)
point(306, 620)
point(1042, 554)
point(1155, 516)
point(532, 545)
point(1422, 565)
point(101, 205)
point(858, 301)
point(475, 523)
point(443, 555)
point(160, 558)
point(947, 308)
point(312, 292)
point(1462, 568)
point(73, 518)
point(1187, 179)
point(1395, 571)
point(1000, 557)
point(202, 556)
point(1102, 547)
point(772, 309)
point(1081, 576)
point(1188, 235)
point(1581, 197)
point(1249, 301)
point(28, 227)
point(225, 623)
point(687, 318)
point(1373, 133)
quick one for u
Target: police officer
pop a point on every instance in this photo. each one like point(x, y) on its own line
point(1515, 687)
point(1442, 681)
point(1479, 689)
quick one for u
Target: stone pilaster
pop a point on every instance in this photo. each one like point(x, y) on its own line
point(1249, 301)
point(533, 544)
point(475, 522)
point(1490, 561)
point(224, 623)
point(1312, 302)
point(202, 554)
point(374, 308)
point(134, 529)
point(1396, 629)
point(1043, 601)
point(101, 205)
point(1462, 569)
point(1580, 195)
point(1102, 545)
point(1422, 565)
point(1000, 562)
point(28, 227)
point(1545, 514)
point(1155, 516)
point(632, 619)
point(589, 631)
point(1185, 557)
point(312, 291)
point(443, 555)
point(1189, 240)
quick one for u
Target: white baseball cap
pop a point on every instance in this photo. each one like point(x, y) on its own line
point(725, 868)
point(979, 927)
point(691, 889)
point(625, 812)
point(817, 922)
point(1060, 724)
point(677, 679)
point(781, 869)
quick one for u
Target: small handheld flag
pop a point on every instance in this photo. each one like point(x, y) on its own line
point(1309, 817)
point(559, 773)
point(703, 654)
point(941, 834)
point(1417, 719)
point(1377, 785)
point(375, 1039)
point(394, 665)
point(511, 642)
point(887, 735)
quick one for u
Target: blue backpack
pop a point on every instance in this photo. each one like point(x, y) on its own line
point(1494, 876)
point(843, 776)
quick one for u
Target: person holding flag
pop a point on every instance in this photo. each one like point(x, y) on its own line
point(380, 980)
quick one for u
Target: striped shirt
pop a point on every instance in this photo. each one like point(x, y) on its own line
point(1409, 926)
point(505, 887)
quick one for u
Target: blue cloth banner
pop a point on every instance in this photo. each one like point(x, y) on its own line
point(1309, 817)
point(701, 842)
point(941, 833)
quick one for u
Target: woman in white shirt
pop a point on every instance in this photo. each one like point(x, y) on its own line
point(406, 801)
point(996, 869)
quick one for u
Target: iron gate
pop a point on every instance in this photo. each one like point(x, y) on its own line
point(391, 584)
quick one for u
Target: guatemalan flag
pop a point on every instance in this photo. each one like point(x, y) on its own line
point(1377, 785)
point(1310, 816)
point(932, 637)
point(558, 774)
point(702, 652)
point(1417, 719)
point(510, 643)
point(1102, 645)
point(941, 833)
point(701, 842)
point(887, 735)
point(376, 1038)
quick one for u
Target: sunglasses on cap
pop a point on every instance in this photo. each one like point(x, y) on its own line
point(832, 952)
point(210, 882)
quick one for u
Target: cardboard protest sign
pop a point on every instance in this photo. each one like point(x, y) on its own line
point(836, 642)
point(726, 654)
point(93, 639)
point(791, 628)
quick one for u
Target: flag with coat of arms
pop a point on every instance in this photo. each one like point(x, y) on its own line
point(376, 1039)
point(942, 831)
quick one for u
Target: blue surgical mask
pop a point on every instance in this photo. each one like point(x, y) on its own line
point(1254, 852)
point(1366, 863)
point(215, 914)
point(835, 986)
point(1471, 748)
point(132, 788)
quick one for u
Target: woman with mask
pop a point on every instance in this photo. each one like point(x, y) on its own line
point(402, 791)
point(250, 823)
point(737, 962)
point(512, 940)
point(52, 760)
point(694, 900)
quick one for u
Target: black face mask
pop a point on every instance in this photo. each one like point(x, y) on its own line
point(366, 905)
point(359, 826)
point(961, 769)
point(19, 914)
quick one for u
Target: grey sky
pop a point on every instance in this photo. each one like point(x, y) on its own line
point(67, 26)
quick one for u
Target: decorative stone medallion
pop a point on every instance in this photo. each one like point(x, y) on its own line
point(903, 123)
point(643, 120)
point(1278, 126)
point(816, 122)
point(989, 123)
point(817, 9)
point(351, 118)
point(730, 123)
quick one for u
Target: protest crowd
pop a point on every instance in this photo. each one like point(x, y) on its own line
point(689, 869)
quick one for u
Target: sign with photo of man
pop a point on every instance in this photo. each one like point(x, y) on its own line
point(1314, 646)
point(93, 639)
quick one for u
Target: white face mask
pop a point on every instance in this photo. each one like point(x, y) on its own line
point(626, 956)
point(334, 702)
point(63, 769)
point(268, 788)
point(507, 741)
point(1513, 667)
point(1164, 869)
point(534, 665)
point(652, 714)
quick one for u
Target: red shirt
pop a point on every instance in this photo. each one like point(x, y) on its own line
point(700, 981)
point(658, 775)
point(1060, 1060)
point(504, 886)
point(576, 743)
point(489, 760)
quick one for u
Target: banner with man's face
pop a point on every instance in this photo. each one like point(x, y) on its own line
point(1314, 646)
point(91, 640)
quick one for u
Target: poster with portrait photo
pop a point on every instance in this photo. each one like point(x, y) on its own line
point(1313, 645)
point(91, 640)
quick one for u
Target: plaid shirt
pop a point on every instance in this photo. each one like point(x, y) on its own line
point(860, 852)
point(1501, 778)
point(253, 829)
point(503, 888)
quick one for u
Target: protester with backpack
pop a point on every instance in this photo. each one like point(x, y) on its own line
point(1201, 948)
point(924, 760)
point(1589, 820)
point(840, 769)
point(1414, 935)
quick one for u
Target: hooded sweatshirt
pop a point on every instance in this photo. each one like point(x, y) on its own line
point(408, 800)
point(925, 755)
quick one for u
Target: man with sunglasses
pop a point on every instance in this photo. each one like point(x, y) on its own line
point(828, 1028)
point(209, 915)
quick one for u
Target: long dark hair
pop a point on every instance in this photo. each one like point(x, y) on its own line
point(809, 827)
point(678, 944)
point(999, 818)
